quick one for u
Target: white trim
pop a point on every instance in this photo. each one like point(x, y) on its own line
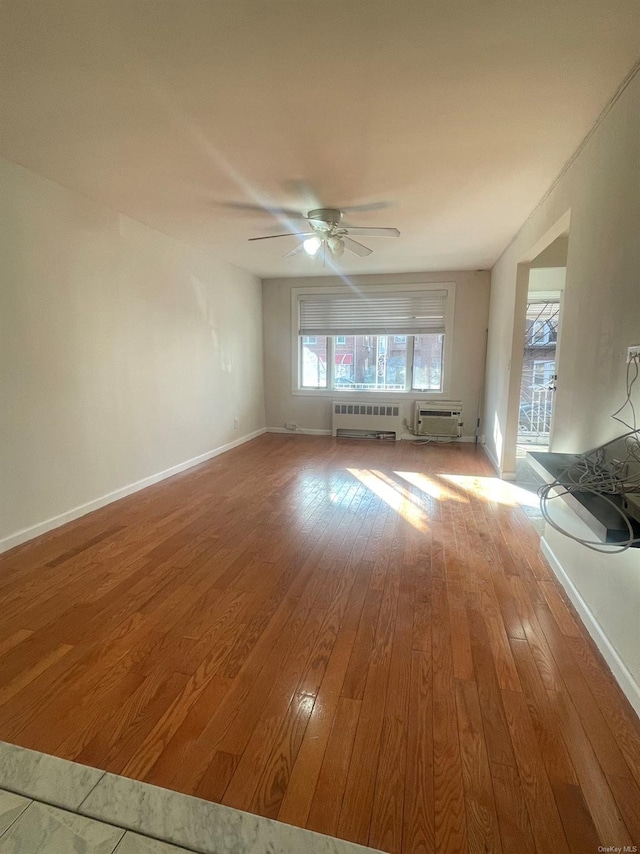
point(304, 431)
point(506, 475)
point(26, 534)
point(375, 394)
point(621, 672)
point(492, 459)
point(301, 431)
point(444, 440)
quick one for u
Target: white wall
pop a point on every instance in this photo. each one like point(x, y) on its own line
point(601, 317)
point(554, 255)
point(123, 353)
point(313, 412)
point(547, 279)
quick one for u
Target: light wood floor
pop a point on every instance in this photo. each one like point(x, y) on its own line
point(333, 634)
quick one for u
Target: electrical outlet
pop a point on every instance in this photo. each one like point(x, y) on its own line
point(236, 423)
point(633, 353)
point(290, 425)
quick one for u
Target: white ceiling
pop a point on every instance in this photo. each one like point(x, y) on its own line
point(458, 113)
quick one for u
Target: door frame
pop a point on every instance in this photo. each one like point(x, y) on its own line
point(532, 298)
point(561, 226)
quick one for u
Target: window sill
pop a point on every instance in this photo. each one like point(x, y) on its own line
point(418, 395)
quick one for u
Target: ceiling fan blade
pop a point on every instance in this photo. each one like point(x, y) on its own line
point(263, 209)
point(294, 251)
point(303, 191)
point(372, 232)
point(372, 206)
point(354, 246)
point(287, 234)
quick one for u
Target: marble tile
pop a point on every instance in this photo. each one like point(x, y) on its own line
point(200, 825)
point(11, 807)
point(133, 843)
point(49, 830)
point(46, 778)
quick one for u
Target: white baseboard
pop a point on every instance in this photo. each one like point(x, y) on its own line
point(26, 534)
point(503, 475)
point(458, 439)
point(308, 431)
point(301, 431)
point(622, 675)
point(492, 459)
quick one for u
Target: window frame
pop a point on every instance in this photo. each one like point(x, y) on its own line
point(409, 391)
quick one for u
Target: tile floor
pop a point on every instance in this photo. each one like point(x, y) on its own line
point(51, 806)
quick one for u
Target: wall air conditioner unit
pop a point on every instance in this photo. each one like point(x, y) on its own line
point(441, 418)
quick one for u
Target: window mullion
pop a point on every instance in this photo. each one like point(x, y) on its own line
point(408, 383)
point(300, 358)
point(331, 359)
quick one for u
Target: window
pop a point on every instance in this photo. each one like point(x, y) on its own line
point(543, 373)
point(313, 362)
point(540, 333)
point(375, 339)
point(542, 324)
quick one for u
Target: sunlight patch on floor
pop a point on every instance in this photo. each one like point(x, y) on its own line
point(394, 498)
point(431, 487)
point(494, 489)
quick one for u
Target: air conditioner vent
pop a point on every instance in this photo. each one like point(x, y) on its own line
point(441, 418)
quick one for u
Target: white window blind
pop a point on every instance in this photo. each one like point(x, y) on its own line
point(400, 313)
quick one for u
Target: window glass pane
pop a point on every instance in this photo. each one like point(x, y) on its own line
point(313, 362)
point(543, 373)
point(427, 362)
point(343, 369)
point(370, 362)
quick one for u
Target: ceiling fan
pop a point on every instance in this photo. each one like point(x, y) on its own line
point(328, 234)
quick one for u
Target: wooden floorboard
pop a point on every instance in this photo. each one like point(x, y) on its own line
point(360, 638)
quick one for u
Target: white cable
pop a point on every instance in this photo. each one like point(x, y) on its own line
point(427, 438)
point(628, 401)
point(591, 474)
point(593, 545)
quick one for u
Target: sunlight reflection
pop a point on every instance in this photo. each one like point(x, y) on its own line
point(399, 488)
point(494, 489)
point(431, 487)
point(391, 496)
point(497, 437)
point(306, 702)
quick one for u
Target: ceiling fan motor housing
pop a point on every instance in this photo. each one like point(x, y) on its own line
point(324, 219)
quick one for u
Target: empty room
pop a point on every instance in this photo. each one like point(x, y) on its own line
point(319, 450)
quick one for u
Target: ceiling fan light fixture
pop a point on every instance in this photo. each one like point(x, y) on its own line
point(326, 234)
point(311, 245)
point(336, 246)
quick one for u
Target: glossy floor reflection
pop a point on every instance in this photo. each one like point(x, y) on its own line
point(358, 638)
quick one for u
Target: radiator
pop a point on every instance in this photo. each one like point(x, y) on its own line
point(437, 418)
point(366, 418)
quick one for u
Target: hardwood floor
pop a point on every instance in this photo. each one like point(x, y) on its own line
point(360, 638)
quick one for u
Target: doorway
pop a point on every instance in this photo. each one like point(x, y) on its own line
point(543, 314)
point(538, 385)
